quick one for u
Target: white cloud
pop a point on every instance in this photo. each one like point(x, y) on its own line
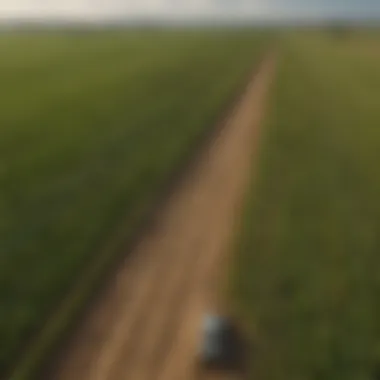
point(95, 9)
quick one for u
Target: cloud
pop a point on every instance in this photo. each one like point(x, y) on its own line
point(181, 8)
point(128, 8)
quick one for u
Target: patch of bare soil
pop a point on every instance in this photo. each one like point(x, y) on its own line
point(146, 324)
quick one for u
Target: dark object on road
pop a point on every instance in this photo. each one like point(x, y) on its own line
point(223, 347)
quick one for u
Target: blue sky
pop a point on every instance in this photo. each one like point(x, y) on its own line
point(259, 9)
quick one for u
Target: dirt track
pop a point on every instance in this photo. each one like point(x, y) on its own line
point(146, 325)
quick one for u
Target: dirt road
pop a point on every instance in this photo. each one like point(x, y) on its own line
point(146, 325)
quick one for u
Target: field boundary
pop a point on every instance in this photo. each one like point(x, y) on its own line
point(229, 283)
point(50, 340)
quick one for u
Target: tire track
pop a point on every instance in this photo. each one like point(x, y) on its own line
point(121, 348)
point(195, 284)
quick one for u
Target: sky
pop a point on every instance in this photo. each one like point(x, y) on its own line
point(177, 9)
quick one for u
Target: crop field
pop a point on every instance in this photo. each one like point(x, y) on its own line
point(307, 274)
point(94, 126)
point(91, 127)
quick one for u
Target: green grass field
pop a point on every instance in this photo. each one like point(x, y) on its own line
point(307, 276)
point(91, 126)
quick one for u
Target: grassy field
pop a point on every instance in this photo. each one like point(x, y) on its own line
point(307, 274)
point(91, 126)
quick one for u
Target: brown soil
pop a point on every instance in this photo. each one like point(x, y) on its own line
point(146, 324)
